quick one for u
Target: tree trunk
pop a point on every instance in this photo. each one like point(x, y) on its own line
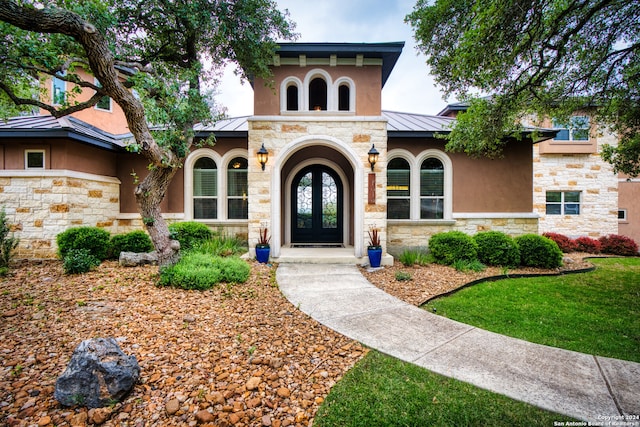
point(149, 194)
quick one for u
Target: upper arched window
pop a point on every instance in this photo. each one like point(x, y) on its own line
point(237, 189)
point(318, 94)
point(398, 189)
point(431, 189)
point(205, 189)
point(292, 98)
point(344, 95)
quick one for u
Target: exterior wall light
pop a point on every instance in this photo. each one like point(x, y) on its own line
point(373, 156)
point(263, 156)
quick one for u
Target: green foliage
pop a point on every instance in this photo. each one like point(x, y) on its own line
point(618, 245)
point(538, 251)
point(201, 271)
point(546, 59)
point(447, 247)
point(190, 233)
point(403, 276)
point(134, 241)
point(497, 248)
point(94, 239)
point(222, 246)
point(408, 257)
point(79, 260)
point(8, 242)
point(464, 265)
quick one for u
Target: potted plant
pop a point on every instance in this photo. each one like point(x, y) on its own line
point(374, 249)
point(262, 248)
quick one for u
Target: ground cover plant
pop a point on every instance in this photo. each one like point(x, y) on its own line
point(384, 391)
point(595, 312)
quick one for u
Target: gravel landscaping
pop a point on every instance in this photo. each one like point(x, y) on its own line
point(237, 355)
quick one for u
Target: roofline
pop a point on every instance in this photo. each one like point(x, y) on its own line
point(59, 133)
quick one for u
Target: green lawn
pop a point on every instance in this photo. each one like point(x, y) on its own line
point(595, 313)
point(383, 391)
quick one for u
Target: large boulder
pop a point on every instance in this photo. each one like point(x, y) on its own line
point(99, 374)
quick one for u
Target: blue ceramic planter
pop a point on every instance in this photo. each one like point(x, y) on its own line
point(262, 254)
point(375, 257)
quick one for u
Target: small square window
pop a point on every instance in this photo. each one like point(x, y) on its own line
point(34, 159)
point(622, 214)
point(563, 203)
point(577, 129)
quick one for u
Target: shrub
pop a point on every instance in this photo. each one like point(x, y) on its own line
point(201, 271)
point(222, 246)
point(466, 265)
point(497, 248)
point(538, 251)
point(587, 244)
point(94, 239)
point(565, 243)
point(618, 245)
point(403, 276)
point(190, 233)
point(451, 246)
point(79, 261)
point(8, 243)
point(135, 241)
point(409, 257)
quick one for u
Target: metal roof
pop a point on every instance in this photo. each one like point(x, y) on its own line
point(408, 124)
point(46, 126)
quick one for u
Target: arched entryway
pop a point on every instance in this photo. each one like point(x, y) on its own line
point(317, 215)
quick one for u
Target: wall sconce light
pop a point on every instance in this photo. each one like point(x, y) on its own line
point(263, 156)
point(373, 156)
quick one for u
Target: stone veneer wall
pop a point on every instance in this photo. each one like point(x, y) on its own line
point(41, 204)
point(277, 132)
point(586, 173)
point(414, 234)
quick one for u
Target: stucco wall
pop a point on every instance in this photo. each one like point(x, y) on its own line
point(629, 199)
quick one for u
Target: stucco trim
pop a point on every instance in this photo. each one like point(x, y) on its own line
point(332, 116)
point(491, 215)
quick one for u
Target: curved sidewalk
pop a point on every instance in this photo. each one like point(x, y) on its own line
point(590, 388)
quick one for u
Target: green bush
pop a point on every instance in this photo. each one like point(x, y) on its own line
point(8, 243)
point(403, 276)
point(538, 251)
point(222, 246)
point(497, 248)
point(464, 265)
point(190, 233)
point(135, 241)
point(94, 239)
point(201, 271)
point(79, 261)
point(450, 246)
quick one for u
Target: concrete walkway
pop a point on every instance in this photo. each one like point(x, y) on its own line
point(583, 386)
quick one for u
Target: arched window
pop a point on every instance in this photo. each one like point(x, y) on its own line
point(317, 94)
point(237, 189)
point(398, 189)
point(431, 189)
point(205, 189)
point(343, 97)
point(292, 98)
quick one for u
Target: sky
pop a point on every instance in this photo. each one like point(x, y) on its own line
point(410, 88)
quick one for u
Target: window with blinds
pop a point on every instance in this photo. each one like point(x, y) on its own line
point(237, 189)
point(398, 189)
point(205, 189)
point(432, 189)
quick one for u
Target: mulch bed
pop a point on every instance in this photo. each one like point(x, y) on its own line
point(237, 355)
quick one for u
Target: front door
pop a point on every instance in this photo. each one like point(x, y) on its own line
point(316, 206)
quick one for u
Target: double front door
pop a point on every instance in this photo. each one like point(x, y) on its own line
point(316, 206)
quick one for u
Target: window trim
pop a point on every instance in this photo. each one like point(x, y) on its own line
point(226, 158)
point(624, 215)
point(571, 129)
point(53, 89)
point(414, 186)
point(562, 202)
point(395, 154)
point(26, 159)
point(291, 81)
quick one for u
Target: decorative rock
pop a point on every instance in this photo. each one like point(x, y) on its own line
point(172, 406)
point(44, 421)
point(204, 416)
point(253, 383)
point(134, 259)
point(98, 374)
point(284, 392)
point(99, 416)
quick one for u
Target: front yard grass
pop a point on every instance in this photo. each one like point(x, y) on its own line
point(595, 313)
point(383, 391)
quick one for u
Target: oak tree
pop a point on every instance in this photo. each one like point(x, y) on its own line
point(512, 59)
point(158, 59)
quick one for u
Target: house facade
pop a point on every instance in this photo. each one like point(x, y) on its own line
point(320, 187)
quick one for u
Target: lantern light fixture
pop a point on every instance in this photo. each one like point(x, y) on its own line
point(263, 156)
point(373, 156)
